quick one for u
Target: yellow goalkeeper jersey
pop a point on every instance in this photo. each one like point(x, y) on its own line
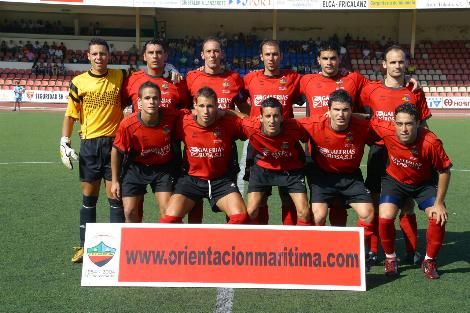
point(95, 100)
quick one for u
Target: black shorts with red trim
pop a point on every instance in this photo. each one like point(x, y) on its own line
point(214, 190)
point(376, 165)
point(396, 192)
point(161, 178)
point(326, 186)
point(95, 159)
point(262, 179)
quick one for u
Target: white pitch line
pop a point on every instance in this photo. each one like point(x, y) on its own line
point(224, 302)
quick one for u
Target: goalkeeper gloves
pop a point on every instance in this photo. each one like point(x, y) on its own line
point(172, 73)
point(67, 153)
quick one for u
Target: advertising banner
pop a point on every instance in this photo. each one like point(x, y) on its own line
point(36, 96)
point(448, 102)
point(230, 256)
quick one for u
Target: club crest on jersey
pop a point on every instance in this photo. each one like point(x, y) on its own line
point(166, 129)
point(339, 84)
point(285, 145)
point(349, 137)
point(405, 98)
point(265, 152)
point(225, 86)
point(165, 87)
point(282, 83)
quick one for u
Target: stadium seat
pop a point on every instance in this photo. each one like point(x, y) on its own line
point(448, 89)
point(425, 89)
point(433, 89)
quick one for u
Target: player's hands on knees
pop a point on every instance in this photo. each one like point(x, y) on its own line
point(439, 213)
point(116, 190)
point(67, 153)
point(172, 73)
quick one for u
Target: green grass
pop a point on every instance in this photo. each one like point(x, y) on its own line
point(39, 225)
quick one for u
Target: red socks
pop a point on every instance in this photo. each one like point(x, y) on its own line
point(289, 215)
point(434, 238)
point(171, 219)
point(409, 227)
point(242, 218)
point(387, 234)
point(368, 230)
point(301, 222)
point(374, 238)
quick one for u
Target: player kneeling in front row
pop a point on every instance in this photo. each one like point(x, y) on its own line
point(208, 137)
point(279, 159)
point(414, 154)
point(142, 154)
point(337, 147)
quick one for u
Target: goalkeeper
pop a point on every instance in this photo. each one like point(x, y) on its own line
point(95, 101)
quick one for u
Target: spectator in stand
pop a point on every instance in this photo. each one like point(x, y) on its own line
point(29, 45)
point(366, 53)
point(97, 29)
point(51, 52)
point(48, 70)
point(62, 68)
point(133, 51)
point(3, 46)
point(11, 47)
point(91, 29)
point(58, 54)
point(30, 56)
point(30, 26)
point(55, 68)
point(45, 47)
point(37, 47)
point(342, 52)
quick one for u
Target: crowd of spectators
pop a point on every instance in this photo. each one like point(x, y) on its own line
point(34, 27)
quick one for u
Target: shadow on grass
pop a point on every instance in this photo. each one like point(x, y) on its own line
point(376, 280)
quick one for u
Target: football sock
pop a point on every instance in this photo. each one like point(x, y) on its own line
point(409, 227)
point(387, 234)
point(301, 222)
point(289, 214)
point(116, 211)
point(338, 216)
point(196, 213)
point(392, 255)
point(368, 230)
point(167, 219)
point(87, 215)
point(434, 238)
point(263, 215)
point(374, 238)
point(241, 218)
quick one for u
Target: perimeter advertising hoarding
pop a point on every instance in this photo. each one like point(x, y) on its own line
point(230, 256)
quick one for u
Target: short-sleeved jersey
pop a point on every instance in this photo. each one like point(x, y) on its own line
point(95, 100)
point(174, 96)
point(412, 164)
point(208, 150)
point(338, 152)
point(18, 90)
point(144, 144)
point(281, 152)
point(317, 89)
point(284, 87)
point(228, 86)
point(383, 100)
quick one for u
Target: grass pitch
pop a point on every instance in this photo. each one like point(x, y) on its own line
point(39, 225)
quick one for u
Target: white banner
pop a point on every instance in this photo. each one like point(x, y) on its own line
point(36, 96)
point(269, 4)
point(448, 102)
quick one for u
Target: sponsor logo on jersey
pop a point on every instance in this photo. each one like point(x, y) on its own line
point(205, 152)
point(101, 254)
point(285, 145)
point(338, 154)
point(161, 151)
point(406, 163)
point(320, 101)
point(384, 115)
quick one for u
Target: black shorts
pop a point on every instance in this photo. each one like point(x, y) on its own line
point(161, 178)
point(95, 159)
point(376, 164)
point(395, 192)
point(261, 180)
point(348, 187)
point(214, 190)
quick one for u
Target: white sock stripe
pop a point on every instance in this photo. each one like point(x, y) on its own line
point(89, 207)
